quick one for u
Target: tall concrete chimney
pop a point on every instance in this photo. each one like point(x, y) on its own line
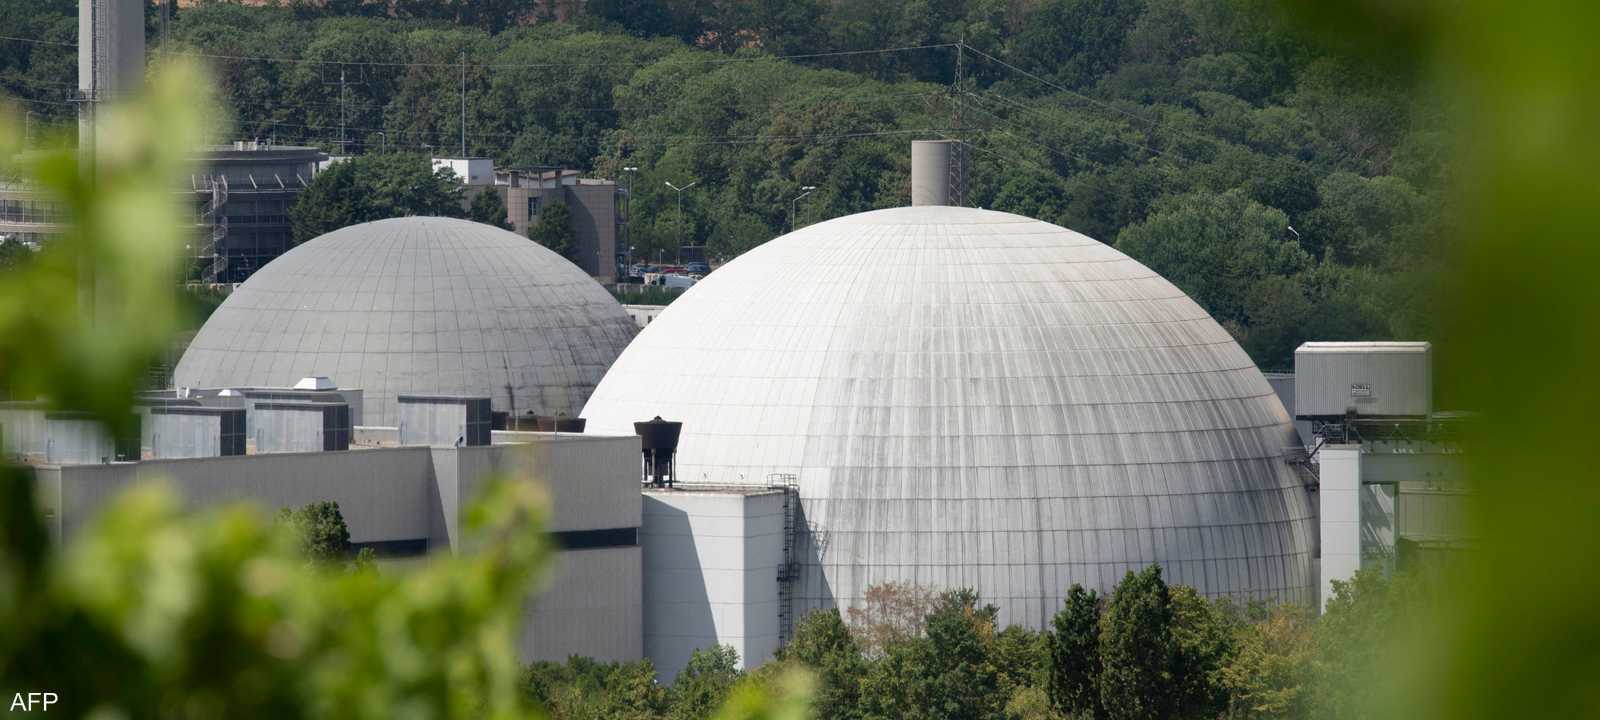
point(938, 172)
point(110, 57)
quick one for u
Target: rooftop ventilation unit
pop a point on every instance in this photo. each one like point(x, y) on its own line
point(316, 382)
point(179, 431)
point(301, 427)
point(659, 440)
point(444, 420)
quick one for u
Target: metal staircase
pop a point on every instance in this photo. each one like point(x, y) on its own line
point(789, 566)
point(217, 220)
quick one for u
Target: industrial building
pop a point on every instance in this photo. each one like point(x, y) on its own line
point(1390, 468)
point(431, 306)
point(240, 201)
point(596, 218)
point(936, 394)
point(402, 491)
point(968, 398)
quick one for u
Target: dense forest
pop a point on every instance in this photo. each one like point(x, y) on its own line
point(1291, 187)
point(1148, 650)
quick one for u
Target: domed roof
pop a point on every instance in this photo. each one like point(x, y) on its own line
point(417, 305)
point(974, 398)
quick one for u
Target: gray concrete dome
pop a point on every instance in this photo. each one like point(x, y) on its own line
point(417, 305)
point(974, 398)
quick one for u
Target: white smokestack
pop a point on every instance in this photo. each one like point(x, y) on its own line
point(938, 172)
point(110, 56)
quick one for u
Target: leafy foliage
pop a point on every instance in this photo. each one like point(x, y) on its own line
point(374, 187)
point(554, 229)
point(1074, 640)
point(488, 208)
point(1192, 134)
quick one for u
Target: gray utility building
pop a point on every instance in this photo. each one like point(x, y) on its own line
point(596, 219)
point(1391, 469)
point(399, 500)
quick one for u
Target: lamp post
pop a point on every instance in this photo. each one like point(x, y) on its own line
point(627, 216)
point(27, 129)
point(383, 139)
point(804, 191)
point(680, 208)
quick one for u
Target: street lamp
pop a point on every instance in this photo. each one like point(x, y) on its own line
point(680, 208)
point(383, 137)
point(627, 215)
point(27, 129)
point(804, 191)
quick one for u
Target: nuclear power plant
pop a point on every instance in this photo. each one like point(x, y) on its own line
point(935, 395)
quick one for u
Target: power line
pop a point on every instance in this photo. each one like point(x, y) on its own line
point(1068, 91)
point(513, 66)
point(36, 41)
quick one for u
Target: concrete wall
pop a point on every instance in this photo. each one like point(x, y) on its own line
point(594, 219)
point(711, 569)
point(383, 494)
point(591, 606)
point(1340, 491)
point(591, 603)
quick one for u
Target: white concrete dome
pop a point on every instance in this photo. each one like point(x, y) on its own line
point(973, 398)
point(417, 305)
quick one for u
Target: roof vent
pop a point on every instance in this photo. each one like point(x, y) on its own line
point(315, 382)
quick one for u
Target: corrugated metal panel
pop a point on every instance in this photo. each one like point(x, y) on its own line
point(976, 398)
point(1372, 378)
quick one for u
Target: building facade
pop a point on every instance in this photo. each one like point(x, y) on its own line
point(596, 220)
point(240, 200)
point(242, 206)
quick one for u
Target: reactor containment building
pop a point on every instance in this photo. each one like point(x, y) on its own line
point(969, 398)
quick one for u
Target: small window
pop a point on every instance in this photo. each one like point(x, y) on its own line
point(533, 208)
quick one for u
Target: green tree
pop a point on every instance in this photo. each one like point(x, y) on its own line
point(554, 229)
point(1074, 642)
point(822, 643)
point(13, 253)
point(961, 682)
point(489, 209)
point(1138, 654)
point(1215, 247)
point(1203, 646)
point(584, 688)
point(324, 537)
point(1074, 42)
point(374, 187)
point(1269, 674)
point(703, 683)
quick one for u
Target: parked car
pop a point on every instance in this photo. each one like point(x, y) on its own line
point(698, 268)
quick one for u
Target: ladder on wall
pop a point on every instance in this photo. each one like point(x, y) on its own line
point(788, 567)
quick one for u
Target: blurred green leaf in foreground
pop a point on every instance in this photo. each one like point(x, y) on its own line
point(1518, 636)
